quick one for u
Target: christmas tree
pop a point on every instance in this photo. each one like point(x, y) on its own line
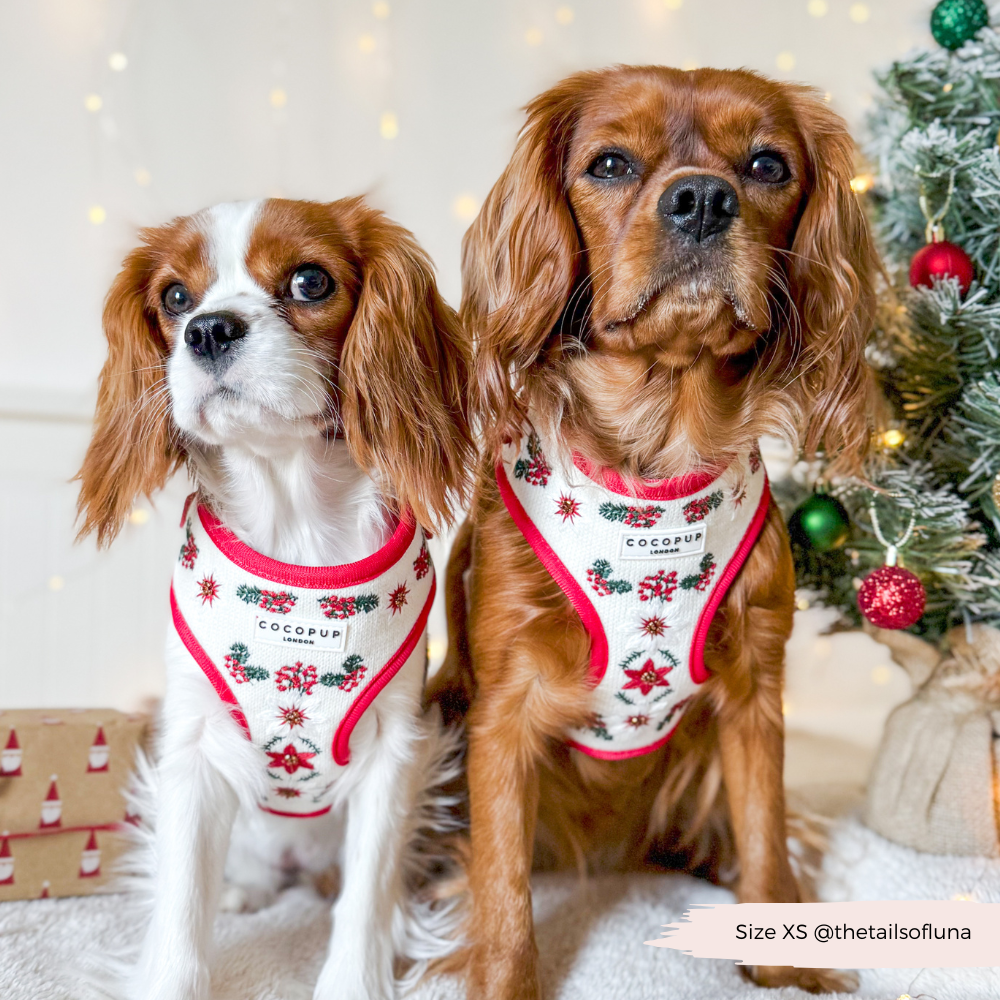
point(935, 206)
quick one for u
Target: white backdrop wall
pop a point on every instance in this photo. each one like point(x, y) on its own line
point(118, 114)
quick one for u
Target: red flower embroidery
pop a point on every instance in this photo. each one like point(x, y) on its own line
point(568, 507)
point(647, 677)
point(422, 564)
point(643, 517)
point(398, 598)
point(298, 677)
point(278, 602)
point(347, 607)
point(754, 458)
point(292, 716)
point(189, 551)
point(697, 510)
point(660, 585)
point(287, 793)
point(637, 721)
point(290, 759)
point(208, 590)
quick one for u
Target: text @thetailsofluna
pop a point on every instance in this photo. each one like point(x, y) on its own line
point(857, 935)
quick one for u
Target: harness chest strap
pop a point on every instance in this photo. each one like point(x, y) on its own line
point(645, 565)
point(299, 652)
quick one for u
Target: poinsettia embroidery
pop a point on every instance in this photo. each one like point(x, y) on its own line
point(599, 578)
point(189, 550)
point(292, 716)
point(754, 458)
point(700, 580)
point(658, 586)
point(568, 507)
point(397, 598)
point(288, 793)
point(636, 721)
point(634, 517)
point(647, 677)
point(647, 629)
point(347, 607)
point(279, 602)
point(422, 564)
point(290, 759)
point(208, 590)
point(738, 495)
point(533, 469)
point(235, 662)
point(351, 674)
point(696, 510)
point(297, 678)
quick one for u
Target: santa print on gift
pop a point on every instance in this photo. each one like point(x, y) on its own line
point(6, 860)
point(645, 565)
point(51, 807)
point(90, 858)
point(299, 653)
point(10, 757)
point(99, 753)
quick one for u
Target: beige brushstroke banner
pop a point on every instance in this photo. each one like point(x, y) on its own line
point(869, 935)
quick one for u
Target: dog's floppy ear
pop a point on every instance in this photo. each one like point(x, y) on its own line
point(404, 374)
point(833, 272)
point(133, 450)
point(519, 263)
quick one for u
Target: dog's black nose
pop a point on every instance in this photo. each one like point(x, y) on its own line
point(211, 335)
point(700, 206)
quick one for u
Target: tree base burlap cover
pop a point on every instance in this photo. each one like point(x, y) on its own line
point(934, 786)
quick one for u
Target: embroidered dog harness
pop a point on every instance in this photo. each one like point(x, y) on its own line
point(646, 567)
point(299, 651)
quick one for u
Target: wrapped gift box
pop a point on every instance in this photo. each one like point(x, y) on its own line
point(62, 778)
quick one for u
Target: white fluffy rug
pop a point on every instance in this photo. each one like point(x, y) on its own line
point(590, 936)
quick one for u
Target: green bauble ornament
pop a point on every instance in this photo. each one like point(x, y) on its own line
point(956, 21)
point(821, 523)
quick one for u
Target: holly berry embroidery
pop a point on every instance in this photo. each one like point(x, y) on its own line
point(659, 586)
point(754, 459)
point(634, 517)
point(647, 677)
point(208, 590)
point(278, 602)
point(701, 579)
point(290, 759)
point(397, 598)
point(236, 663)
point(422, 564)
point(351, 674)
point(189, 550)
point(567, 506)
point(296, 678)
point(534, 469)
point(599, 728)
point(347, 607)
point(697, 510)
point(599, 578)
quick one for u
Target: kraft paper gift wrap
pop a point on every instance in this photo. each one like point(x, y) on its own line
point(63, 774)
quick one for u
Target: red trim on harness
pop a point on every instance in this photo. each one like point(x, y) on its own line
point(647, 489)
point(624, 754)
point(187, 507)
point(699, 674)
point(558, 571)
point(314, 577)
point(208, 667)
point(341, 739)
point(278, 812)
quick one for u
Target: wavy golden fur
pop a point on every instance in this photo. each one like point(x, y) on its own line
point(650, 357)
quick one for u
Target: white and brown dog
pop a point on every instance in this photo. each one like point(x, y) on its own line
point(297, 356)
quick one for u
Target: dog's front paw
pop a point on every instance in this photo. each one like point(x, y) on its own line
point(245, 898)
point(810, 980)
point(352, 981)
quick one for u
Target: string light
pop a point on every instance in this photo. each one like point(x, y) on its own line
point(689, 64)
point(785, 61)
point(673, 4)
point(564, 15)
point(93, 102)
point(142, 177)
point(380, 10)
point(96, 214)
point(859, 13)
point(278, 98)
point(464, 207)
point(117, 61)
point(139, 516)
point(802, 604)
point(893, 437)
point(862, 183)
point(56, 583)
point(817, 8)
point(366, 43)
point(533, 36)
point(388, 126)
point(881, 675)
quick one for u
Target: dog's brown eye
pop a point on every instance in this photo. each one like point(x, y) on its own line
point(608, 166)
point(310, 284)
point(177, 300)
point(769, 168)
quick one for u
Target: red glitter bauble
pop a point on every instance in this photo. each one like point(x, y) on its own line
point(941, 260)
point(892, 597)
